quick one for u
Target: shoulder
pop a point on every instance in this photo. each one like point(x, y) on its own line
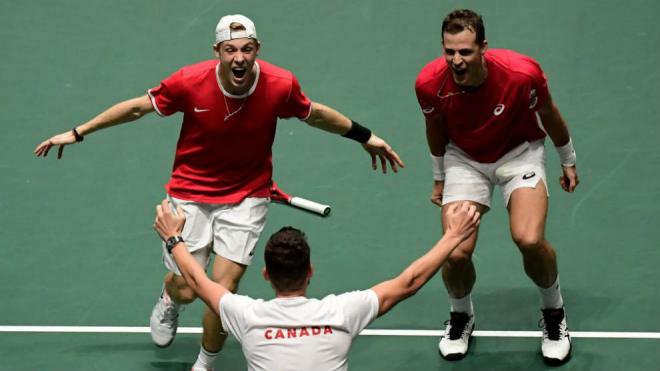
point(230, 301)
point(196, 72)
point(274, 73)
point(515, 63)
point(364, 296)
point(430, 74)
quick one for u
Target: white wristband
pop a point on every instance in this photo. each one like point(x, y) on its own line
point(438, 167)
point(567, 154)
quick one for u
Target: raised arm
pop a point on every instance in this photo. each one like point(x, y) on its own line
point(437, 139)
point(330, 120)
point(126, 111)
point(462, 219)
point(169, 225)
point(557, 130)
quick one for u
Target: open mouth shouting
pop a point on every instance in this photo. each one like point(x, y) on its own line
point(238, 73)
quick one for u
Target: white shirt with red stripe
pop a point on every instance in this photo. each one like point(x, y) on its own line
point(223, 161)
point(298, 333)
point(497, 116)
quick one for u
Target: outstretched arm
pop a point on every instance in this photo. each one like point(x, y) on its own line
point(557, 130)
point(462, 220)
point(126, 111)
point(328, 119)
point(168, 225)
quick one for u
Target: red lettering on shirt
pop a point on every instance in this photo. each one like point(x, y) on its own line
point(294, 332)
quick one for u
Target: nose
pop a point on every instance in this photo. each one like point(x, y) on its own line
point(239, 58)
point(456, 59)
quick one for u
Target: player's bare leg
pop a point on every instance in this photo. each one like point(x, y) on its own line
point(459, 276)
point(228, 274)
point(178, 290)
point(528, 209)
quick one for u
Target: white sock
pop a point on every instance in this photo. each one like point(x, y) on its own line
point(551, 296)
point(205, 359)
point(168, 299)
point(462, 305)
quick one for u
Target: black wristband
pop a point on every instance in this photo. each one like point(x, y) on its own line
point(79, 138)
point(358, 133)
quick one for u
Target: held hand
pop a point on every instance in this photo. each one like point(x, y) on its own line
point(461, 220)
point(61, 140)
point(569, 181)
point(167, 223)
point(377, 147)
point(436, 192)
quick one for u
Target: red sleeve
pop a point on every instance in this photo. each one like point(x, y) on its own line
point(426, 101)
point(297, 104)
point(539, 90)
point(167, 97)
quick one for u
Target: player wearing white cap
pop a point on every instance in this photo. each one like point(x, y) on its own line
point(223, 163)
point(481, 108)
point(293, 332)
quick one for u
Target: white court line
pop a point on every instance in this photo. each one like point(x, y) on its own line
point(368, 332)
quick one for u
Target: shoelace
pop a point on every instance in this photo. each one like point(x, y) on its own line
point(169, 313)
point(551, 323)
point(458, 322)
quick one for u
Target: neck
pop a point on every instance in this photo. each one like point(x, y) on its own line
point(290, 294)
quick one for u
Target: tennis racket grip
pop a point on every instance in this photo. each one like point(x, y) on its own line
point(309, 205)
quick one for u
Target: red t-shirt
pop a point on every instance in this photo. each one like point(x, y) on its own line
point(497, 116)
point(220, 161)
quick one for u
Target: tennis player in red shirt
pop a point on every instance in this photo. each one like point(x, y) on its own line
point(481, 107)
point(223, 164)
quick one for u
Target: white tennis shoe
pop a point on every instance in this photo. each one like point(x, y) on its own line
point(556, 344)
point(456, 341)
point(164, 320)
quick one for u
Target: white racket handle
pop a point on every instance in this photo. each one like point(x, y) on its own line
point(312, 206)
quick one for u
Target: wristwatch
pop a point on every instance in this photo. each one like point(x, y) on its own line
point(171, 242)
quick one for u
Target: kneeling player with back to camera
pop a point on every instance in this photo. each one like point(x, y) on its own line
point(293, 332)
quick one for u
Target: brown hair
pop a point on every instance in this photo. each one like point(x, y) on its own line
point(461, 19)
point(287, 259)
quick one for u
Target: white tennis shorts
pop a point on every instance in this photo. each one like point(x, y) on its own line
point(469, 180)
point(229, 230)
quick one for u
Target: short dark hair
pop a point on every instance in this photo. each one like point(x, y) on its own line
point(287, 259)
point(461, 19)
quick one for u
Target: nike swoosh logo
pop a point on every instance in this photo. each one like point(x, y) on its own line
point(201, 110)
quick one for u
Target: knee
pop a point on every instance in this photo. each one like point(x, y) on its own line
point(458, 259)
point(528, 241)
point(230, 283)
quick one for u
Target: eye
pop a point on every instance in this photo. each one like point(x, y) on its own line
point(466, 52)
point(449, 51)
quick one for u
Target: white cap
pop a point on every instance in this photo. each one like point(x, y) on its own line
point(224, 33)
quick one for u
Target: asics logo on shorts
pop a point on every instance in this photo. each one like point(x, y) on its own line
point(201, 109)
point(428, 110)
point(529, 175)
point(498, 109)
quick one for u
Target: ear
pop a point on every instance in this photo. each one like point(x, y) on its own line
point(216, 50)
point(264, 273)
point(484, 47)
point(310, 272)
